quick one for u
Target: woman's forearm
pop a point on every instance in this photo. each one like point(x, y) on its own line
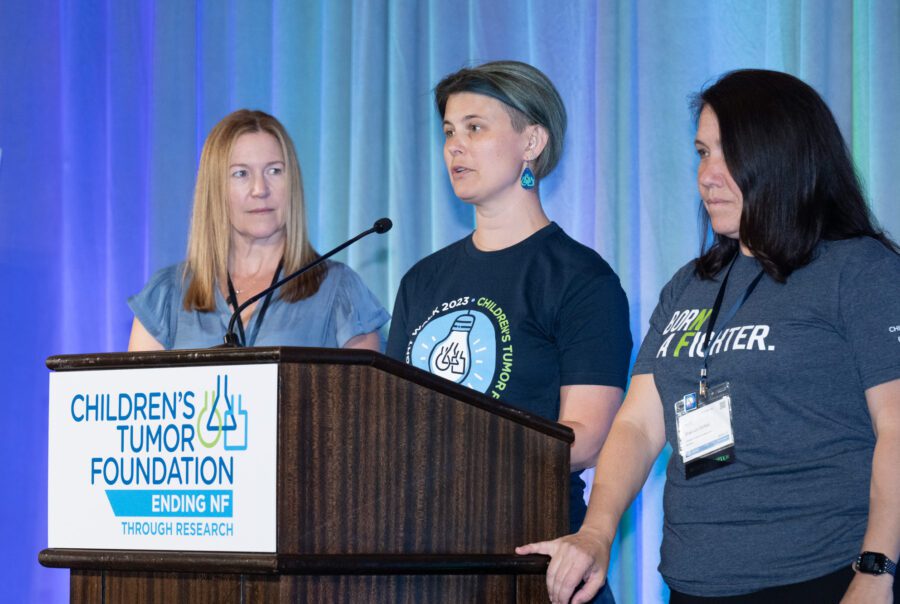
point(622, 468)
point(883, 529)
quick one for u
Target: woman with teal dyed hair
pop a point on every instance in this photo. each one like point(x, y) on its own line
point(517, 310)
point(772, 369)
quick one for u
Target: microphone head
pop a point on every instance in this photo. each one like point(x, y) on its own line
point(382, 225)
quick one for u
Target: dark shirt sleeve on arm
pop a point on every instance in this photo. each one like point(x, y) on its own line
point(594, 336)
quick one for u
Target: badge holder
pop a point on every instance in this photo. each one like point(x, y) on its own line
point(703, 427)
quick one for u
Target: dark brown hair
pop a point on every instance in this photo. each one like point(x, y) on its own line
point(785, 151)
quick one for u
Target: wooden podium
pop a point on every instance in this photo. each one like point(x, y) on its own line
point(392, 485)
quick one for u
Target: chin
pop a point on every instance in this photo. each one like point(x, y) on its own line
point(726, 229)
point(262, 234)
point(728, 233)
point(465, 196)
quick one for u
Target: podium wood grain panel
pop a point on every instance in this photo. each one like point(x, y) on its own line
point(164, 588)
point(86, 586)
point(385, 589)
point(168, 588)
point(410, 470)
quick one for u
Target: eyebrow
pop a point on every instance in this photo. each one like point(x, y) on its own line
point(239, 164)
point(466, 118)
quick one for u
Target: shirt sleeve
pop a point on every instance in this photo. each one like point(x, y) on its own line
point(153, 305)
point(646, 358)
point(594, 339)
point(357, 310)
point(398, 335)
point(869, 310)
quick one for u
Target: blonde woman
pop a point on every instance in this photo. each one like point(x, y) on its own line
point(248, 228)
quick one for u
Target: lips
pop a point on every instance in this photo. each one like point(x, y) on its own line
point(459, 171)
point(717, 201)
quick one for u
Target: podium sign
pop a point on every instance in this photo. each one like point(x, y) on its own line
point(165, 458)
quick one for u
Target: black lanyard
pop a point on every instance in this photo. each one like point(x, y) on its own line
point(704, 345)
point(232, 299)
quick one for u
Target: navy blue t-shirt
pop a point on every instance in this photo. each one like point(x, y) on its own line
point(516, 324)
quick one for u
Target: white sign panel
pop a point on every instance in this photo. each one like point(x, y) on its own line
point(173, 458)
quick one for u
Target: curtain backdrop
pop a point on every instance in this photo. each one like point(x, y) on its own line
point(104, 106)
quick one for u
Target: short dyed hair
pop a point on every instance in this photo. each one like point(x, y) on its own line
point(528, 95)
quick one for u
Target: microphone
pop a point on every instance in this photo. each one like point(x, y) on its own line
point(382, 225)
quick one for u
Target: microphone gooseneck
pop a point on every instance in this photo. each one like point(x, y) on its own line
point(382, 225)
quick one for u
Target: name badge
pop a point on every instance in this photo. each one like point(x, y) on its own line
point(704, 431)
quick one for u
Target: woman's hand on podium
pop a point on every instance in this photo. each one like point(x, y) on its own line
point(580, 558)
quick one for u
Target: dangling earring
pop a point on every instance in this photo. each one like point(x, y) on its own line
point(527, 179)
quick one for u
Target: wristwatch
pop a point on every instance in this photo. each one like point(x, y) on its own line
point(874, 563)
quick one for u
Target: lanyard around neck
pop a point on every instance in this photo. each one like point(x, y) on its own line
point(717, 306)
point(232, 299)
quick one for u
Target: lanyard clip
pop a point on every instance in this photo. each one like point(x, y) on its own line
point(702, 390)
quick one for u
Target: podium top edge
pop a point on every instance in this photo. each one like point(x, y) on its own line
point(210, 356)
point(310, 356)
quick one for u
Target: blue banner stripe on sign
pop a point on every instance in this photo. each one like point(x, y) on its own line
point(170, 503)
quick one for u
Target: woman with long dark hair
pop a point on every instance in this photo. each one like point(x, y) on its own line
point(772, 368)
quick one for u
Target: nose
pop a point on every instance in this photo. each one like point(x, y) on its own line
point(454, 146)
point(260, 186)
point(710, 173)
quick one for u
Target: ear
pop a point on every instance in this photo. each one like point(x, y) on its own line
point(536, 138)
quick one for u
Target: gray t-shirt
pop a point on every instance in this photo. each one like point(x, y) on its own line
point(799, 357)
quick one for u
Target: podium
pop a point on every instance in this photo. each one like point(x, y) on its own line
point(385, 483)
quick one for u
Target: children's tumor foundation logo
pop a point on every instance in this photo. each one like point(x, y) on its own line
point(226, 416)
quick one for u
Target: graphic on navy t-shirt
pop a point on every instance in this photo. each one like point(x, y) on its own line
point(459, 342)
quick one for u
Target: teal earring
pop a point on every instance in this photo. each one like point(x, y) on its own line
point(527, 180)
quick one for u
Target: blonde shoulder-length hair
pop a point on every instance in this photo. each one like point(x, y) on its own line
point(209, 241)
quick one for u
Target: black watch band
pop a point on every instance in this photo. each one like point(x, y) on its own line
point(874, 563)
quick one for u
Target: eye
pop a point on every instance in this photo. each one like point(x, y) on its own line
point(448, 132)
point(241, 173)
point(702, 153)
point(475, 127)
point(275, 170)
